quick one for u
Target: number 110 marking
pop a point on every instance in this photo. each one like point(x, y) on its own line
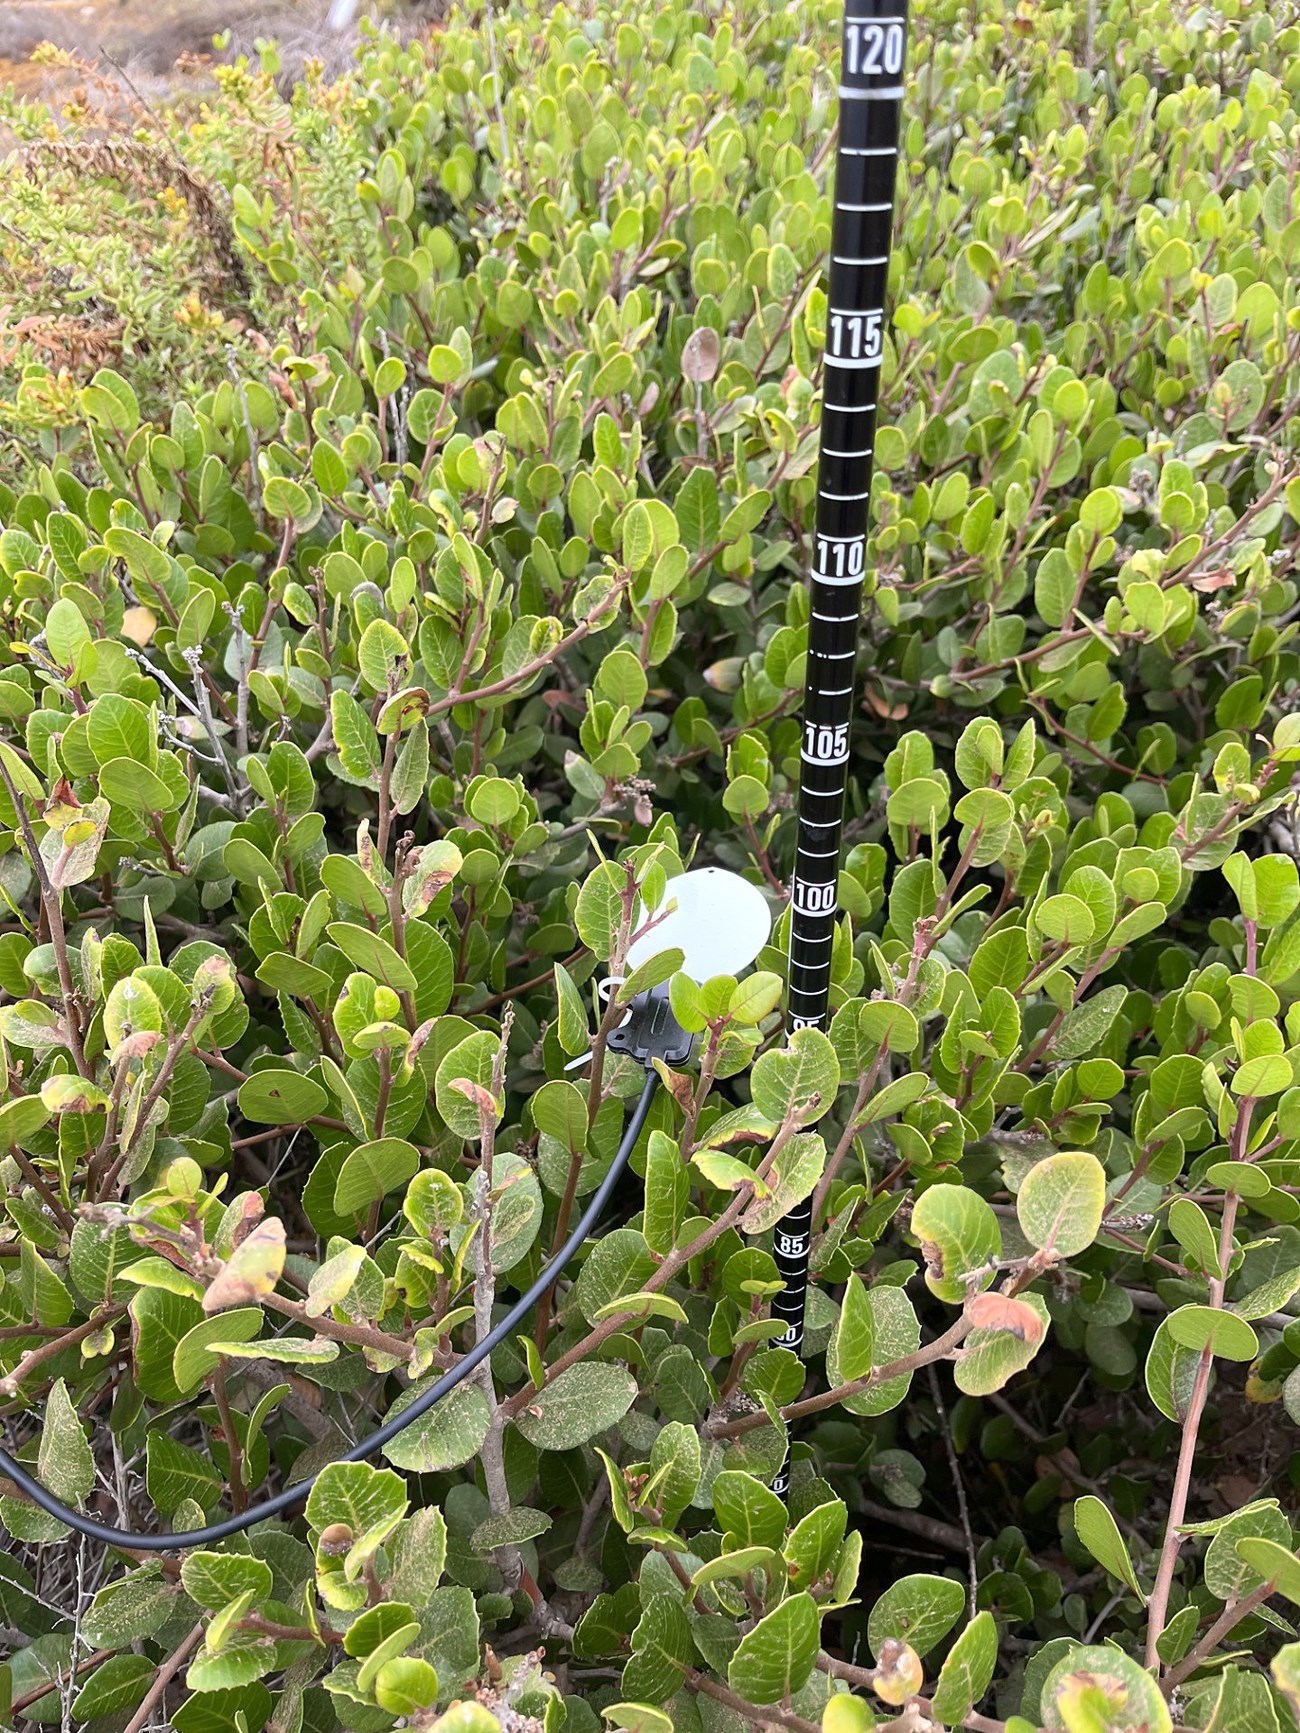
point(840, 559)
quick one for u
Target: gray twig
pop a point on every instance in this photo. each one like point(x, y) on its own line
point(492, 1455)
point(194, 661)
point(496, 86)
point(255, 479)
point(243, 661)
point(164, 680)
point(959, 1485)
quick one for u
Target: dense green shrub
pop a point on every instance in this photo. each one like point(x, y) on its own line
point(349, 700)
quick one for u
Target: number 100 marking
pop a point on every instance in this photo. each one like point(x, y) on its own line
point(814, 899)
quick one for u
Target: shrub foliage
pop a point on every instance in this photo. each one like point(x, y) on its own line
point(406, 579)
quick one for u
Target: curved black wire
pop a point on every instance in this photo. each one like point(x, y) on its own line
point(218, 1531)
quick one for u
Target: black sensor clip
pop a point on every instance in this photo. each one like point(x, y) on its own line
point(652, 1032)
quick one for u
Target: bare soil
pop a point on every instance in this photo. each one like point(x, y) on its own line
point(159, 44)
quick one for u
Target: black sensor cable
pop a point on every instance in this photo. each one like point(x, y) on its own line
point(218, 1531)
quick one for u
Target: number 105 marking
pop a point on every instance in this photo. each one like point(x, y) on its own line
point(871, 48)
point(822, 745)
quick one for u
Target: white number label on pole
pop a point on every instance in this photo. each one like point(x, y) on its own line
point(855, 337)
point(873, 48)
point(840, 559)
point(826, 745)
point(814, 899)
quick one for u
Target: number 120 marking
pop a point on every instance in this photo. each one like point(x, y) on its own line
point(872, 48)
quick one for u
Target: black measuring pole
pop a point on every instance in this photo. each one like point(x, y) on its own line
point(866, 163)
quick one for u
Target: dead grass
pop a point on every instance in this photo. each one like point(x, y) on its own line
point(147, 167)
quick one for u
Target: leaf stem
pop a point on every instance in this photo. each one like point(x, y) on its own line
point(508, 683)
point(356, 1335)
point(1228, 1620)
point(936, 1350)
point(12, 1381)
point(675, 1261)
point(166, 1673)
point(768, 1715)
point(217, 1384)
point(1172, 1544)
point(52, 902)
point(26, 1701)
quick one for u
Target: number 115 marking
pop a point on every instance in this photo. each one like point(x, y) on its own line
point(855, 336)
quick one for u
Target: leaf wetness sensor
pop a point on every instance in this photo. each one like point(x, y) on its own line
point(716, 919)
point(720, 922)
